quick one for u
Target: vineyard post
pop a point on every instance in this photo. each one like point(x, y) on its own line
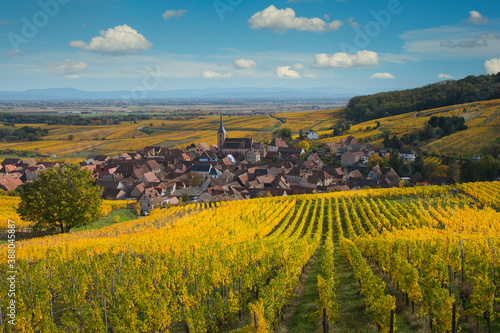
point(113, 290)
point(215, 318)
point(1, 316)
point(462, 259)
point(454, 318)
point(494, 276)
point(255, 319)
point(325, 321)
point(105, 316)
point(391, 329)
point(449, 279)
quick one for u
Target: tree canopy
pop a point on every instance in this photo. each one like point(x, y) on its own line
point(61, 199)
point(469, 89)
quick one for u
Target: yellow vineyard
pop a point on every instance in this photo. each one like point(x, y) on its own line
point(232, 266)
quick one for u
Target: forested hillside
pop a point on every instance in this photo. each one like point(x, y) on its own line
point(469, 89)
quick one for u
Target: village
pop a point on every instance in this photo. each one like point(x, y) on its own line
point(234, 169)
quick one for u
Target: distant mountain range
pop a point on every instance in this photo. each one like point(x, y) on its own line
point(208, 93)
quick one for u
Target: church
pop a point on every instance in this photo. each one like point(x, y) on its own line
point(239, 146)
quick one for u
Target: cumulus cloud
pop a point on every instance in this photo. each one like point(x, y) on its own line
point(466, 44)
point(173, 13)
point(352, 23)
point(382, 76)
point(284, 19)
point(67, 68)
point(476, 18)
point(310, 76)
point(286, 72)
point(492, 66)
point(244, 64)
point(213, 75)
point(344, 60)
point(298, 66)
point(119, 40)
point(445, 76)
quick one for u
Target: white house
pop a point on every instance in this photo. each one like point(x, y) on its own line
point(408, 155)
point(312, 135)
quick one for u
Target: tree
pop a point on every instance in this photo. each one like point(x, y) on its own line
point(285, 133)
point(71, 137)
point(395, 161)
point(301, 134)
point(193, 179)
point(137, 207)
point(61, 199)
point(304, 145)
point(374, 160)
point(441, 171)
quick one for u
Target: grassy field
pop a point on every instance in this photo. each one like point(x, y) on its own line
point(124, 214)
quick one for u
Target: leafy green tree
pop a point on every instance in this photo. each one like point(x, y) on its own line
point(395, 161)
point(285, 133)
point(61, 199)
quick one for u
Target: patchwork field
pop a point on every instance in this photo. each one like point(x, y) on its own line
point(482, 118)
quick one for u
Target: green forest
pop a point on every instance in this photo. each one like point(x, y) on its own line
point(445, 93)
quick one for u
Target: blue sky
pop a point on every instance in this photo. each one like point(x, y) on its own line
point(162, 45)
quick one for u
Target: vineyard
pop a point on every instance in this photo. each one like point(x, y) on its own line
point(422, 255)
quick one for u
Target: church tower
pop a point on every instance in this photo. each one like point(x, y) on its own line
point(221, 135)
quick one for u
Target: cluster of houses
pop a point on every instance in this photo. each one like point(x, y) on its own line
point(231, 170)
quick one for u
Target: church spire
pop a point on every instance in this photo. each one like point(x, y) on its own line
point(221, 128)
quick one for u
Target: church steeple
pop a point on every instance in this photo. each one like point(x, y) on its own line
point(221, 135)
point(221, 128)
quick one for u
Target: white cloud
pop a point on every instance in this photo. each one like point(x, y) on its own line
point(244, 64)
point(344, 60)
point(283, 19)
point(452, 42)
point(465, 44)
point(119, 40)
point(298, 66)
point(212, 75)
point(310, 76)
point(382, 76)
point(445, 76)
point(173, 13)
point(352, 23)
point(489, 35)
point(492, 66)
point(476, 18)
point(286, 72)
point(67, 68)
